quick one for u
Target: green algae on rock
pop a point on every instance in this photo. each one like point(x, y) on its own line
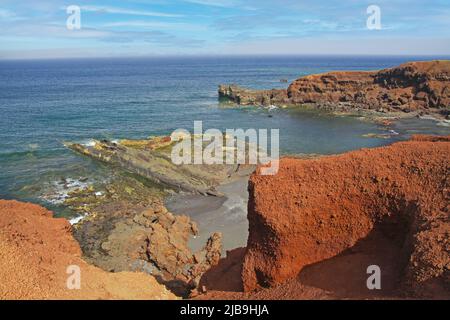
point(155, 164)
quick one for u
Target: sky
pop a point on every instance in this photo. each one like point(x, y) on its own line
point(112, 28)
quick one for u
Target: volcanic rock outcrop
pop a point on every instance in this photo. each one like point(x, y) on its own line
point(128, 228)
point(38, 255)
point(245, 96)
point(416, 86)
point(143, 158)
point(151, 159)
point(313, 210)
point(156, 242)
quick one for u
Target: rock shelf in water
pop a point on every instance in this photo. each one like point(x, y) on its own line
point(153, 161)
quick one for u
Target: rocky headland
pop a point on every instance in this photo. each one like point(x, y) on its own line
point(414, 88)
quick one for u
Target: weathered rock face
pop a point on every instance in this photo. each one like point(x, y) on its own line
point(244, 96)
point(313, 210)
point(156, 242)
point(415, 86)
point(408, 87)
point(36, 251)
point(129, 229)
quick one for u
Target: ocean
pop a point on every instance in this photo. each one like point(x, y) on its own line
point(45, 103)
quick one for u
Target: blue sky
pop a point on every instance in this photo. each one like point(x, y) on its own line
point(37, 28)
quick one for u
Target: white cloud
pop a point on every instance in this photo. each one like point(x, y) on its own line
point(8, 15)
point(115, 10)
point(221, 4)
point(50, 31)
point(155, 25)
point(339, 46)
point(213, 3)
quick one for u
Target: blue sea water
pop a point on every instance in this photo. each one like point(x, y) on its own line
point(44, 103)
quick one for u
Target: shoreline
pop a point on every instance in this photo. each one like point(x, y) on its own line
point(323, 246)
point(414, 87)
point(177, 222)
point(226, 214)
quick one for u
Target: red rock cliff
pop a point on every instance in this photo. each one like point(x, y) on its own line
point(313, 210)
point(408, 87)
point(414, 86)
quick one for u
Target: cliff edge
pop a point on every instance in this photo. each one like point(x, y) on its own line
point(422, 87)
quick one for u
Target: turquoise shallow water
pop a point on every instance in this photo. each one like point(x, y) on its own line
point(44, 103)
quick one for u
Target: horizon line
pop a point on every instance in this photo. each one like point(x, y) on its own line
point(231, 55)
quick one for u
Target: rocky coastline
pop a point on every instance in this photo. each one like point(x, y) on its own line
point(319, 217)
point(128, 227)
point(37, 250)
point(411, 89)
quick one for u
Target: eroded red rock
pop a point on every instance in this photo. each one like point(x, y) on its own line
point(422, 87)
point(408, 87)
point(313, 210)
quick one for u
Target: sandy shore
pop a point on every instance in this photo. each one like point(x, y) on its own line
point(226, 214)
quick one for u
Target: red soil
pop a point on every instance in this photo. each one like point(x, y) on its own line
point(224, 282)
point(35, 251)
point(315, 227)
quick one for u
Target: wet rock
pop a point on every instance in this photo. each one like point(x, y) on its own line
point(135, 232)
point(244, 96)
point(155, 165)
